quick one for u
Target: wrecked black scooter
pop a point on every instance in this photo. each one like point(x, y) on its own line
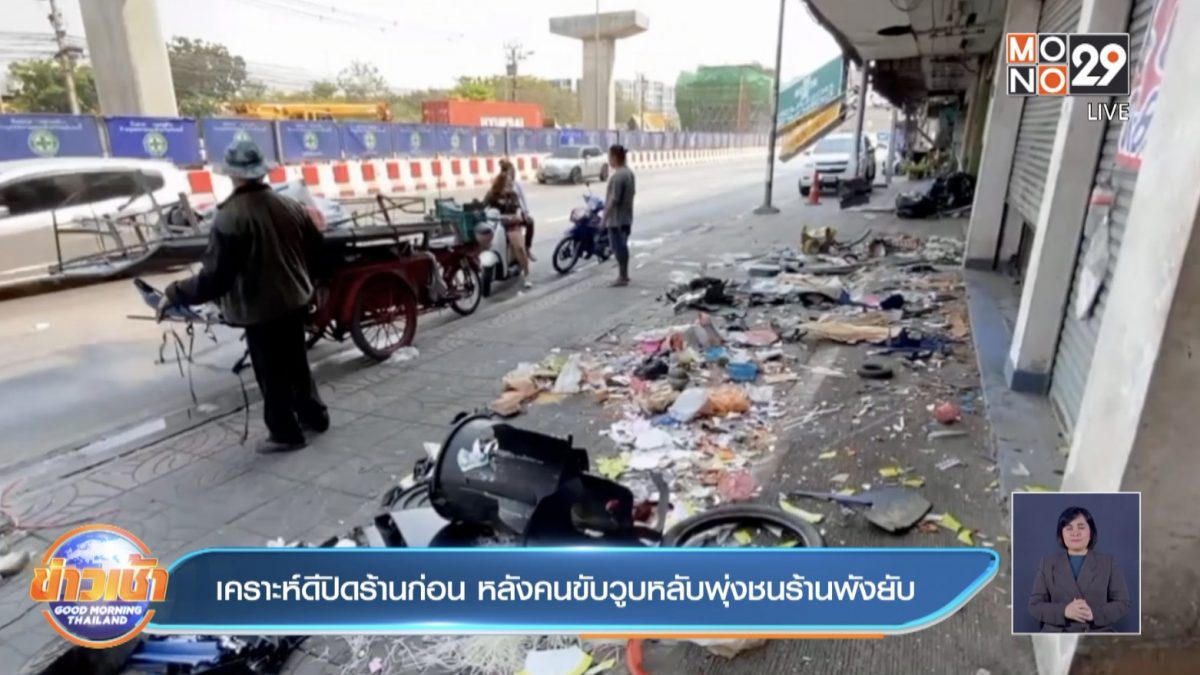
point(493, 484)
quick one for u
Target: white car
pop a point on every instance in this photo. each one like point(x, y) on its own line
point(830, 158)
point(574, 163)
point(36, 193)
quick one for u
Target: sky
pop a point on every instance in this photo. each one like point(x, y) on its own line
point(429, 43)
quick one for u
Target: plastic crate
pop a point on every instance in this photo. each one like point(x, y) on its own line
point(463, 220)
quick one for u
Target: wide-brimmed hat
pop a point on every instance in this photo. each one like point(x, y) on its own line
point(243, 159)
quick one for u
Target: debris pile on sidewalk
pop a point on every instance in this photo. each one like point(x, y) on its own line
point(701, 401)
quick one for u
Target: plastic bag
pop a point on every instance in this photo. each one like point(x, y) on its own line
point(690, 404)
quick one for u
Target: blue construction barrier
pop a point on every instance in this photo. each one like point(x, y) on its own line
point(489, 141)
point(367, 140)
point(413, 140)
point(188, 142)
point(220, 133)
point(32, 136)
point(309, 141)
point(164, 138)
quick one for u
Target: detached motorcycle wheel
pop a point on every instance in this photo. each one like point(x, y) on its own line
point(691, 531)
point(566, 254)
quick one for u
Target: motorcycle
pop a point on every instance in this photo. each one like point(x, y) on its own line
point(497, 260)
point(585, 239)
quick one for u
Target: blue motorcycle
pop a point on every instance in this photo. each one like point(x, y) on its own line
point(585, 239)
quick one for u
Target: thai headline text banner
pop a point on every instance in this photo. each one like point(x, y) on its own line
point(569, 590)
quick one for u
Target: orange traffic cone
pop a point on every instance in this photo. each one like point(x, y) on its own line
point(814, 193)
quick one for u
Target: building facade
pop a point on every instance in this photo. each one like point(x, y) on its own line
point(1083, 269)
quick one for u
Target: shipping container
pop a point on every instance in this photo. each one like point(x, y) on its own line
point(482, 113)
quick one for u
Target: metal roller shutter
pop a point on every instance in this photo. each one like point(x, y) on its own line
point(1077, 341)
point(1039, 122)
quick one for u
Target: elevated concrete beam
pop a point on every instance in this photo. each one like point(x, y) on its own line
point(599, 33)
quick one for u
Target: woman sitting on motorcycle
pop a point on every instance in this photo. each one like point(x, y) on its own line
point(504, 199)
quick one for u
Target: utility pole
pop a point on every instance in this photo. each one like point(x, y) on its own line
point(65, 56)
point(642, 100)
point(767, 208)
point(514, 54)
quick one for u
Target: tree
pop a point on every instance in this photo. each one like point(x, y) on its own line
point(558, 104)
point(38, 85)
point(322, 90)
point(475, 89)
point(205, 75)
point(626, 109)
point(361, 81)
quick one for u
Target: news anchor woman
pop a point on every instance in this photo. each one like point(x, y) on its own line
point(1078, 590)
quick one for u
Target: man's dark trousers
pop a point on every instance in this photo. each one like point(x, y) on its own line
point(280, 360)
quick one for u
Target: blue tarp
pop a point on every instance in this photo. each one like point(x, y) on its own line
point(29, 136)
point(171, 139)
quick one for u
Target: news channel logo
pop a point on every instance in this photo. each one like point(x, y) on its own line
point(97, 582)
point(1067, 64)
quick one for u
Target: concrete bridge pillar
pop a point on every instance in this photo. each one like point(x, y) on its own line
point(129, 57)
point(599, 34)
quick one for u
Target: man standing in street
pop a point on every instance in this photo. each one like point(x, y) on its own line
point(508, 168)
point(618, 210)
point(257, 267)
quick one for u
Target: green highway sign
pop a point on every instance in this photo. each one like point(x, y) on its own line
point(806, 95)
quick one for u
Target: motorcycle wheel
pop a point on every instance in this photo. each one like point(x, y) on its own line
point(566, 254)
point(485, 281)
point(467, 284)
point(702, 528)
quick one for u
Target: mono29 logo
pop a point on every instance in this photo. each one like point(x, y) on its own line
point(1067, 64)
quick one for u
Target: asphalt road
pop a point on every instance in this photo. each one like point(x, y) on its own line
point(75, 371)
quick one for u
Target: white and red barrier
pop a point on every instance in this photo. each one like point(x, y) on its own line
point(352, 179)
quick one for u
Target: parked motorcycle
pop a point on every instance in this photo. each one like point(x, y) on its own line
point(496, 258)
point(586, 238)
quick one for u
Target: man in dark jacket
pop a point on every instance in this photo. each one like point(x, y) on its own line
point(257, 269)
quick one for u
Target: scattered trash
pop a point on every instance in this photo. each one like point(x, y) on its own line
point(404, 355)
point(827, 455)
point(731, 647)
point(947, 464)
point(893, 509)
point(840, 478)
point(689, 405)
point(943, 434)
point(376, 665)
point(873, 370)
point(13, 562)
point(1019, 469)
point(809, 516)
point(612, 467)
point(914, 482)
point(848, 333)
point(891, 471)
point(568, 661)
point(728, 399)
point(947, 413)
point(737, 486)
point(743, 371)
point(823, 371)
point(950, 522)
